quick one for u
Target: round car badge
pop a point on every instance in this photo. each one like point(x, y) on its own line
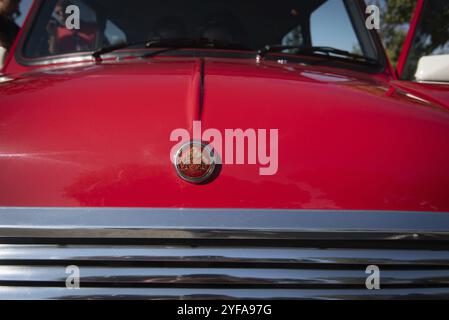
point(196, 162)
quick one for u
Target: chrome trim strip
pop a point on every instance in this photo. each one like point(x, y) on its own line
point(84, 57)
point(14, 293)
point(139, 223)
point(183, 255)
point(218, 277)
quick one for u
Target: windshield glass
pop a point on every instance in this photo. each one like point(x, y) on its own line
point(248, 24)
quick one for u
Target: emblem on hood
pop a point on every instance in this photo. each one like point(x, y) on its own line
point(196, 162)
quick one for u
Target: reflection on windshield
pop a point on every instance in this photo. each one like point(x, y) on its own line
point(251, 23)
point(64, 40)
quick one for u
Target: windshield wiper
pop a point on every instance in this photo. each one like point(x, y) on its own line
point(172, 44)
point(104, 50)
point(327, 51)
point(194, 43)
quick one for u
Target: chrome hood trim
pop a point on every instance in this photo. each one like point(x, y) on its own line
point(139, 223)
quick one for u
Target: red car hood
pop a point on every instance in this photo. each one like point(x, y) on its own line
point(99, 135)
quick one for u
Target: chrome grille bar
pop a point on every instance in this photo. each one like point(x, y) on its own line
point(221, 224)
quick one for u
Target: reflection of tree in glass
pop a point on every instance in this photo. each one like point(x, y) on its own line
point(395, 18)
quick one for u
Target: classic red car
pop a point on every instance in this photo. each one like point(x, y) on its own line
point(226, 149)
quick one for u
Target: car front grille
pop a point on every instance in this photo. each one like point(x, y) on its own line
point(219, 262)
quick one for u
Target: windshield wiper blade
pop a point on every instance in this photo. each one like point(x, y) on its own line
point(345, 54)
point(107, 49)
point(171, 44)
point(148, 44)
point(328, 51)
point(194, 43)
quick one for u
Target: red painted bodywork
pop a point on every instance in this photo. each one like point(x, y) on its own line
point(97, 134)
